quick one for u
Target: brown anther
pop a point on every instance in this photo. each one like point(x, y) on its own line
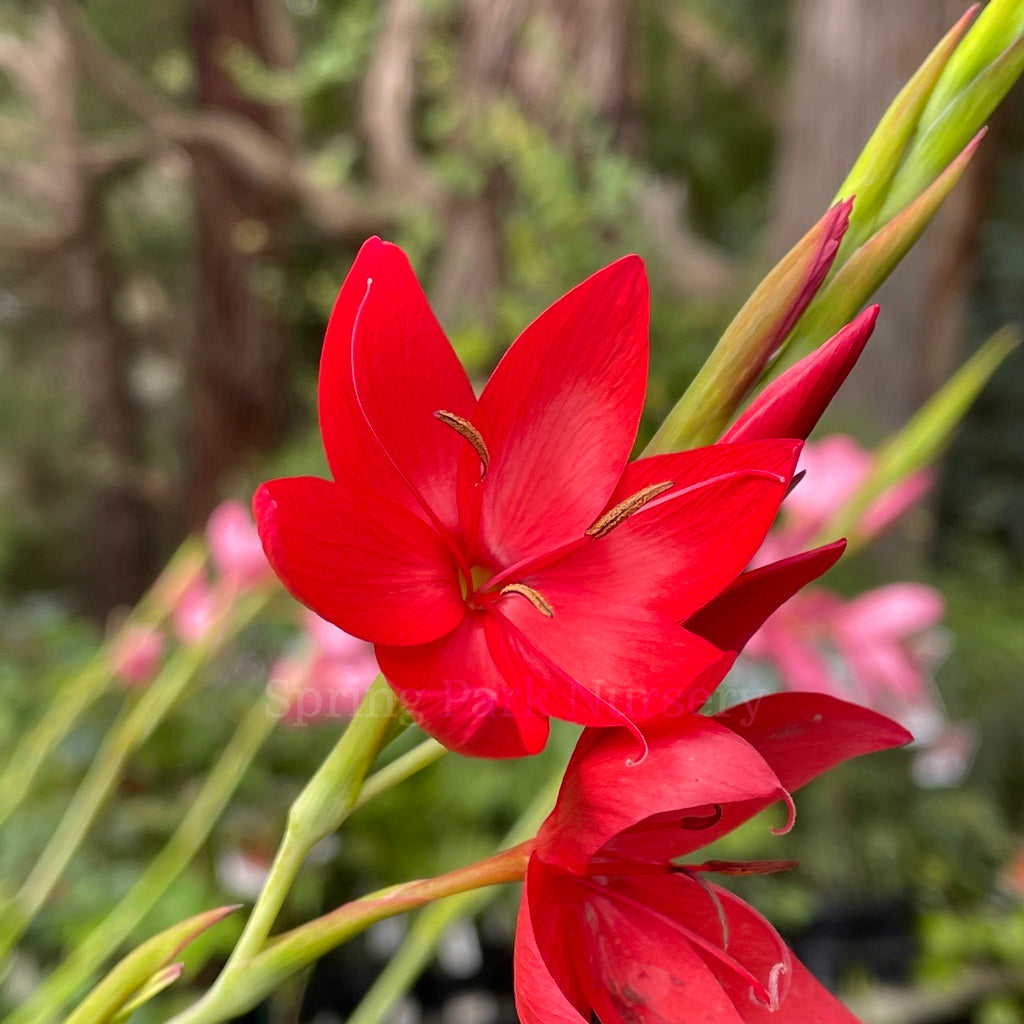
point(469, 432)
point(747, 867)
point(537, 600)
point(626, 508)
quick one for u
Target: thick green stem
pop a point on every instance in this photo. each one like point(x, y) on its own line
point(139, 717)
point(302, 946)
point(160, 875)
point(319, 809)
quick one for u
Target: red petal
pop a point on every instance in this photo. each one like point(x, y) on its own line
point(595, 662)
point(454, 691)
point(548, 952)
point(807, 1002)
point(359, 560)
point(791, 405)
point(802, 735)
point(678, 553)
point(740, 948)
point(559, 415)
point(643, 967)
point(692, 762)
point(733, 617)
point(406, 371)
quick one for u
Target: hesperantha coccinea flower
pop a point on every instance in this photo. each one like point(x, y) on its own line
point(504, 556)
point(619, 915)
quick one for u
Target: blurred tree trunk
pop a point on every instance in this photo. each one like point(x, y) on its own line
point(848, 60)
point(238, 364)
point(121, 541)
point(118, 550)
point(538, 53)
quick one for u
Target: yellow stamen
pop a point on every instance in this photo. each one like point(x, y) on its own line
point(531, 595)
point(469, 432)
point(626, 508)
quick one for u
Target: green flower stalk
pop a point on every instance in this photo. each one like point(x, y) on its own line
point(91, 682)
point(328, 798)
point(409, 960)
point(142, 713)
point(203, 813)
point(910, 164)
point(291, 952)
point(753, 337)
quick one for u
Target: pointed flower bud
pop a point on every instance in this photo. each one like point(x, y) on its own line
point(753, 337)
point(793, 403)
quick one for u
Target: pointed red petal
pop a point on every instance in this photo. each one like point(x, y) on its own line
point(743, 952)
point(692, 762)
point(548, 940)
point(596, 662)
point(406, 371)
point(802, 735)
point(791, 405)
point(733, 617)
point(678, 553)
point(644, 968)
point(454, 691)
point(806, 1002)
point(560, 413)
point(359, 560)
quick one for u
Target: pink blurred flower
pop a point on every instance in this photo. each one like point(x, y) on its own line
point(872, 650)
point(328, 677)
point(196, 611)
point(235, 546)
point(135, 654)
point(834, 469)
point(1012, 876)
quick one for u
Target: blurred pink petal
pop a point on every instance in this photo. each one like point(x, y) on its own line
point(894, 611)
point(195, 612)
point(881, 669)
point(331, 677)
point(834, 470)
point(886, 509)
point(136, 653)
point(803, 668)
point(235, 546)
point(868, 650)
point(835, 467)
point(335, 642)
point(947, 759)
point(334, 689)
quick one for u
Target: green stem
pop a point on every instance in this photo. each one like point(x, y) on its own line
point(141, 714)
point(63, 711)
point(319, 809)
point(86, 686)
point(160, 875)
point(406, 965)
point(302, 946)
point(421, 756)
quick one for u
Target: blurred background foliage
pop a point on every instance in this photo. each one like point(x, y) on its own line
point(184, 186)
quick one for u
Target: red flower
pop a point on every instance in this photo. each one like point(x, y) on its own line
point(612, 924)
point(502, 556)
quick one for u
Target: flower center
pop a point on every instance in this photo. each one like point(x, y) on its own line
point(479, 577)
